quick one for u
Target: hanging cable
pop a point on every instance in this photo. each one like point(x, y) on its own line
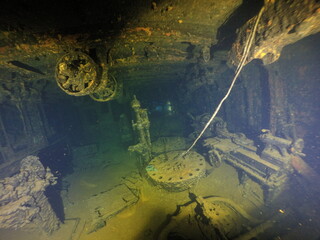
point(238, 70)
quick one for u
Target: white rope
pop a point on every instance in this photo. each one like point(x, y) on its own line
point(238, 70)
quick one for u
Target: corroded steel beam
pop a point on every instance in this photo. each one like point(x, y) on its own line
point(283, 22)
point(152, 33)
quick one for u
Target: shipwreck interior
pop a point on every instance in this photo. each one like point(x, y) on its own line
point(163, 120)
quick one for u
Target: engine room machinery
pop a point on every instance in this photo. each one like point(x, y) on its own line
point(269, 166)
point(77, 74)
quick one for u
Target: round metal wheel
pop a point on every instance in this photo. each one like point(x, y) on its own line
point(76, 74)
point(107, 90)
point(176, 173)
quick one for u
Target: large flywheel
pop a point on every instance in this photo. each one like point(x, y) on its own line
point(77, 74)
point(107, 90)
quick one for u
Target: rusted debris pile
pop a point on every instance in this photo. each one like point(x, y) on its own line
point(23, 203)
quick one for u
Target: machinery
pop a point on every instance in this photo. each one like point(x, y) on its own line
point(173, 172)
point(269, 166)
point(77, 74)
point(206, 217)
point(141, 127)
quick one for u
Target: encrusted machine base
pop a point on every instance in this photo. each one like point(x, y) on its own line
point(176, 173)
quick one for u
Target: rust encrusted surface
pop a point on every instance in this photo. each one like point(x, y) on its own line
point(282, 23)
point(155, 28)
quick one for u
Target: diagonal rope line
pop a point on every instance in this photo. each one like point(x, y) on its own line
point(239, 68)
